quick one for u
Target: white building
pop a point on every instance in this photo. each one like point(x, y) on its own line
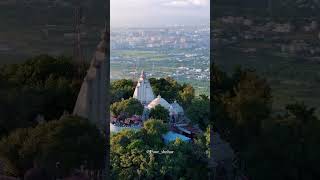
point(145, 95)
point(143, 91)
point(159, 101)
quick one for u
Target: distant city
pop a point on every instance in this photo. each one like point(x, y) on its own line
point(181, 52)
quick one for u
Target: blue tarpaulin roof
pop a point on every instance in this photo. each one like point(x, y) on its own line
point(172, 136)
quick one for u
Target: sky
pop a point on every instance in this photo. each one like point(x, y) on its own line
point(155, 13)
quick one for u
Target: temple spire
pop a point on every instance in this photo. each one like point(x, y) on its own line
point(143, 75)
point(143, 91)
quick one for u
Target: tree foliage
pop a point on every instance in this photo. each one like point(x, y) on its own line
point(129, 107)
point(198, 111)
point(130, 158)
point(186, 95)
point(70, 141)
point(159, 112)
point(42, 85)
point(122, 89)
point(171, 90)
point(283, 144)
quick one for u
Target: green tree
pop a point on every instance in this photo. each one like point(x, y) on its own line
point(167, 87)
point(292, 155)
point(41, 85)
point(247, 107)
point(121, 89)
point(10, 156)
point(129, 107)
point(159, 112)
point(130, 159)
point(282, 144)
point(186, 94)
point(198, 112)
point(154, 127)
point(70, 141)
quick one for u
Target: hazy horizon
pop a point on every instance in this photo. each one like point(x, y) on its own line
point(159, 13)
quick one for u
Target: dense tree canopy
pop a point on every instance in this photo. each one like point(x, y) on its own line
point(168, 88)
point(159, 112)
point(123, 88)
point(198, 112)
point(171, 90)
point(186, 94)
point(42, 85)
point(70, 141)
point(285, 145)
point(292, 145)
point(127, 107)
point(130, 158)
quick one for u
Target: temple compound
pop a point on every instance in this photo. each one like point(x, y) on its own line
point(143, 92)
point(179, 123)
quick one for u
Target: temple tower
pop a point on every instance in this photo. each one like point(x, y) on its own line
point(92, 99)
point(143, 91)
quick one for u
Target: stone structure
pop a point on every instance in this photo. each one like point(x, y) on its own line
point(145, 95)
point(159, 101)
point(91, 101)
point(176, 112)
point(143, 91)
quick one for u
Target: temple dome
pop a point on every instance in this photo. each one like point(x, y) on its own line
point(159, 101)
point(175, 108)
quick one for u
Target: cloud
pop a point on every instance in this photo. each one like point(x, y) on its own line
point(186, 3)
point(159, 12)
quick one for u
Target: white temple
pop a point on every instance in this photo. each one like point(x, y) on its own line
point(91, 101)
point(159, 101)
point(143, 91)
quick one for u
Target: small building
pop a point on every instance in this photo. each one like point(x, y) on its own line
point(159, 101)
point(176, 112)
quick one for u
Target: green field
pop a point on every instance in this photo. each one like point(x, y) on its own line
point(164, 65)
